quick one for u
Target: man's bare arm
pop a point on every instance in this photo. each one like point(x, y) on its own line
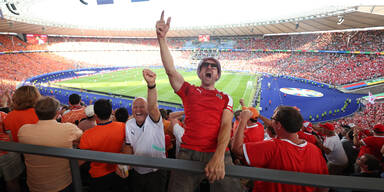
point(238, 141)
point(153, 109)
point(175, 77)
point(267, 122)
point(356, 140)
point(176, 114)
point(215, 168)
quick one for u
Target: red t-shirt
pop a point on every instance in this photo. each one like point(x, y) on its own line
point(372, 146)
point(17, 118)
point(307, 136)
point(106, 138)
point(284, 155)
point(203, 110)
point(254, 133)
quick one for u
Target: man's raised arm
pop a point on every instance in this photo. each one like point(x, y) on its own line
point(153, 109)
point(175, 77)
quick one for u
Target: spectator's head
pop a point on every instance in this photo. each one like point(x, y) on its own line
point(255, 114)
point(103, 109)
point(327, 129)
point(368, 163)
point(349, 135)
point(237, 115)
point(89, 111)
point(209, 71)
point(140, 110)
point(121, 115)
point(288, 118)
point(378, 129)
point(345, 129)
point(163, 113)
point(74, 99)
point(47, 108)
point(25, 97)
point(169, 111)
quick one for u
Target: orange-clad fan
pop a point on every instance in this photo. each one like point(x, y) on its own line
point(23, 101)
point(107, 136)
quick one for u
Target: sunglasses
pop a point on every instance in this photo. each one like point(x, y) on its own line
point(206, 64)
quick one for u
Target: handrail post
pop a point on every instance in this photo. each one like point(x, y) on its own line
point(76, 177)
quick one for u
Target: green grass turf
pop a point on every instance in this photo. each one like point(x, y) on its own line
point(131, 83)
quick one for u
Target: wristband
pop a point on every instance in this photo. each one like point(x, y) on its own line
point(151, 87)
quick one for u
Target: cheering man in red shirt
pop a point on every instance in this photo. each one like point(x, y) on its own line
point(371, 144)
point(208, 116)
point(287, 152)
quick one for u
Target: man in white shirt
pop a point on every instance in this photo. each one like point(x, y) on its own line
point(334, 151)
point(145, 137)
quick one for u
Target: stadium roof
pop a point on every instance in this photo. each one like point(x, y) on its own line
point(72, 18)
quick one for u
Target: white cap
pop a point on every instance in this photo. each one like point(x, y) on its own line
point(89, 111)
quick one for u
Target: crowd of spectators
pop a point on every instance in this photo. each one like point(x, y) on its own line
point(359, 160)
point(369, 116)
point(336, 41)
point(76, 52)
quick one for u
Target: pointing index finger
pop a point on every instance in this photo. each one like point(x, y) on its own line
point(162, 16)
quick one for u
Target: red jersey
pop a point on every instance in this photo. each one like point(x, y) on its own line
point(108, 137)
point(254, 133)
point(284, 155)
point(203, 110)
point(372, 146)
point(307, 136)
point(17, 118)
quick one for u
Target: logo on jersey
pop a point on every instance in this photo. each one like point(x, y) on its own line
point(219, 96)
point(198, 90)
point(132, 132)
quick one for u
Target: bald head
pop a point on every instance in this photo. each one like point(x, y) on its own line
point(139, 109)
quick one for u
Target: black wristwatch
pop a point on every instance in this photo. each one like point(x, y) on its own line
point(151, 87)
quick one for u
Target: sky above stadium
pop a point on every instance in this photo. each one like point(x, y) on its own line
point(185, 13)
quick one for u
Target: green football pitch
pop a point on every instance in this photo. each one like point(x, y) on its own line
point(130, 82)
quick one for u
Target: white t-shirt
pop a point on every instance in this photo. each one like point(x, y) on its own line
point(147, 140)
point(337, 155)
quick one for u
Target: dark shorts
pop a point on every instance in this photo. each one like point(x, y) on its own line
point(11, 166)
point(110, 182)
point(153, 181)
point(189, 181)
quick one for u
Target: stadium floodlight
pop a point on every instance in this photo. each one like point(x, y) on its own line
point(340, 20)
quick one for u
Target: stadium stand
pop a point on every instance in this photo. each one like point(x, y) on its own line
point(63, 57)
